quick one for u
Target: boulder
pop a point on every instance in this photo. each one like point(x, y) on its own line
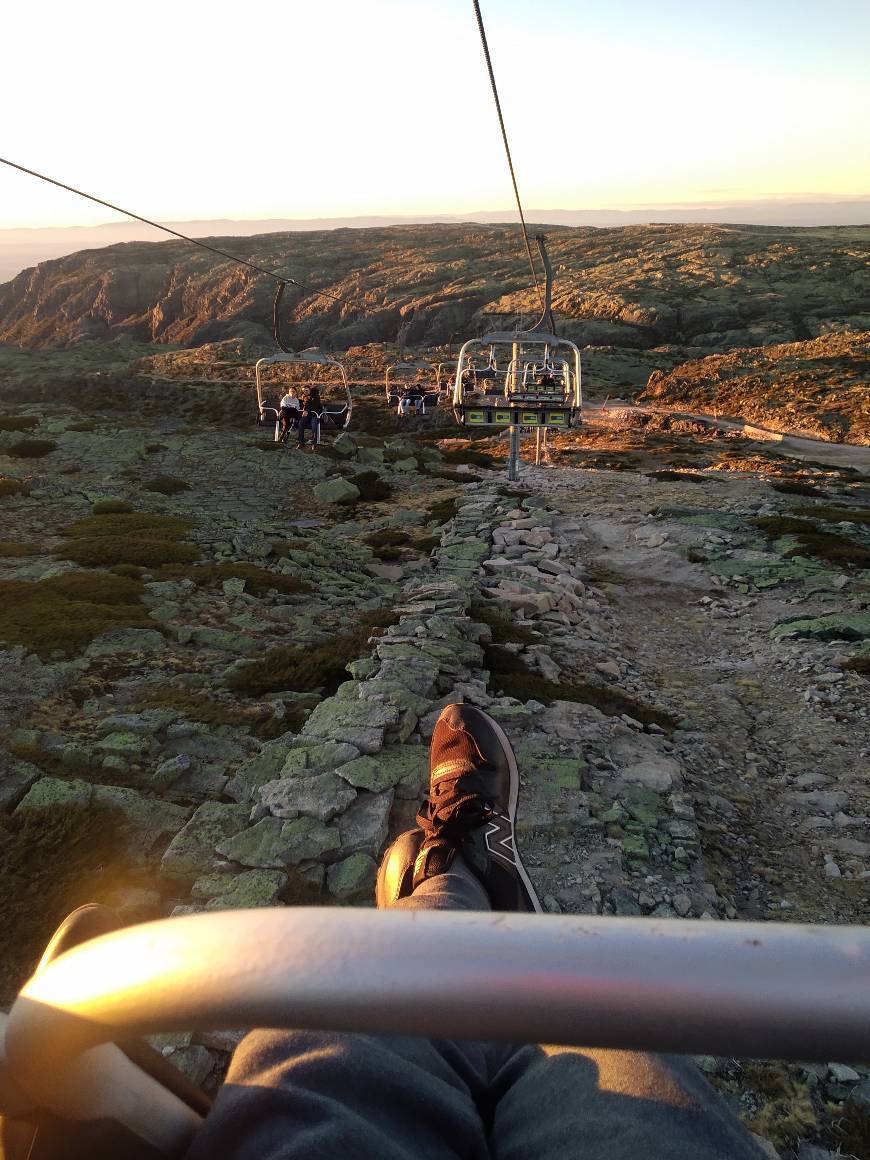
point(388, 769)
point(336, 491)
point(16, 778)
point(353, 878)
point(322, 796)
point(126, 640)
point(359, 723)
point(273, 843)
point(365, 823)
point(251, 888)
point(191, 852)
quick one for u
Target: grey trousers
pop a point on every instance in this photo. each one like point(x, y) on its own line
point(306, 1095)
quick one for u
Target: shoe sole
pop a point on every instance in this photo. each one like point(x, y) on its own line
point(513, 799)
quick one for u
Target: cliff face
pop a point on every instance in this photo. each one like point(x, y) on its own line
point(711, 287)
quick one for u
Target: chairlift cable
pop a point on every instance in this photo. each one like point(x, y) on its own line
point(507, 147)
point(282, 279)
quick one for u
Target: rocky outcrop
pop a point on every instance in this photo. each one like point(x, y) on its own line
point(709, 287)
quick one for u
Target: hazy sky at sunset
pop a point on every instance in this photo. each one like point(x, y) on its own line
point(336, 108)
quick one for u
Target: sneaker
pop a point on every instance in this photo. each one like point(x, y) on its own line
point(472, 804)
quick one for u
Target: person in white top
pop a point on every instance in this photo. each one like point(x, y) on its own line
point(290, 411)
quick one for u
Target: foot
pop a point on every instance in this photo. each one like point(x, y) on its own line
point(472, 803)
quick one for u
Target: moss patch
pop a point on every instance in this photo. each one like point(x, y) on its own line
point(681, 476)
point(137, 538)
point(31, 448)
point(166, 485)
point(18, 422)
point(65, 613)
point(51, 861)
point(306, 669)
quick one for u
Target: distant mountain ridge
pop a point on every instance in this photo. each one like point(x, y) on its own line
point(711, 288)
point(22, 248)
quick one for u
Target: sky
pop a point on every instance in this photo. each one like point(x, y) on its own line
point(194, 110)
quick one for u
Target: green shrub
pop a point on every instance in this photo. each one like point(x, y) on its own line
point(134, 538)
point(304, 669)
point(52, 861)
point(371, 487)
point(66, 612)
point(10, 486)
point(31, 448)
point(112, 507)
point(12, 548)
point(18, 422)
point(166, 485)
point(835, 549)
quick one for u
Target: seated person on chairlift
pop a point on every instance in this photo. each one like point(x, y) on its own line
point(546, 378)
point(312, 409)
point(411, 396)
point(290, 409)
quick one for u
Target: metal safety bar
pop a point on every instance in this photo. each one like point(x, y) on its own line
point(720, 988)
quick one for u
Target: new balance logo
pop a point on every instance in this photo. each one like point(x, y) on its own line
point(499, 839)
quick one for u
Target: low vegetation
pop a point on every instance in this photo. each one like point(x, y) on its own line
point(306, 669)
point(166, 485)
point(810, 541)
point(9, 486)
point(64, 613)
point(371, 487)
point(133, 538)
point(18, 422)
point(31, 448)
point(11, 548)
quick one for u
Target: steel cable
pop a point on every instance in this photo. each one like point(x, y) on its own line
point(507, 147)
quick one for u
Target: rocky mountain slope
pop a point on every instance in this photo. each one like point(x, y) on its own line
point(222, 661)
point(710, 288)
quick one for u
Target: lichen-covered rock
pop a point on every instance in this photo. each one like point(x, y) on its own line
point(191, 853)
point(16, 778)
point(274, 843)
point(388, 769)
point(336, 491)
point(52, 792)
point(365, 823)
point(126, 640)
point(308, 758)
point(833, 626)
point(321, 797)
point(353, 878)
point(256, 771)
point(251, 888)
point(359, 723)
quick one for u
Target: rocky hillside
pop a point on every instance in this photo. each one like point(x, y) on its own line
point(709, 288)
point(221, 661)
point(821, 387)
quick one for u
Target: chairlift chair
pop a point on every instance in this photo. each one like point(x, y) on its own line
point(336, 411)
point(393, 384)
point(771, 990)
